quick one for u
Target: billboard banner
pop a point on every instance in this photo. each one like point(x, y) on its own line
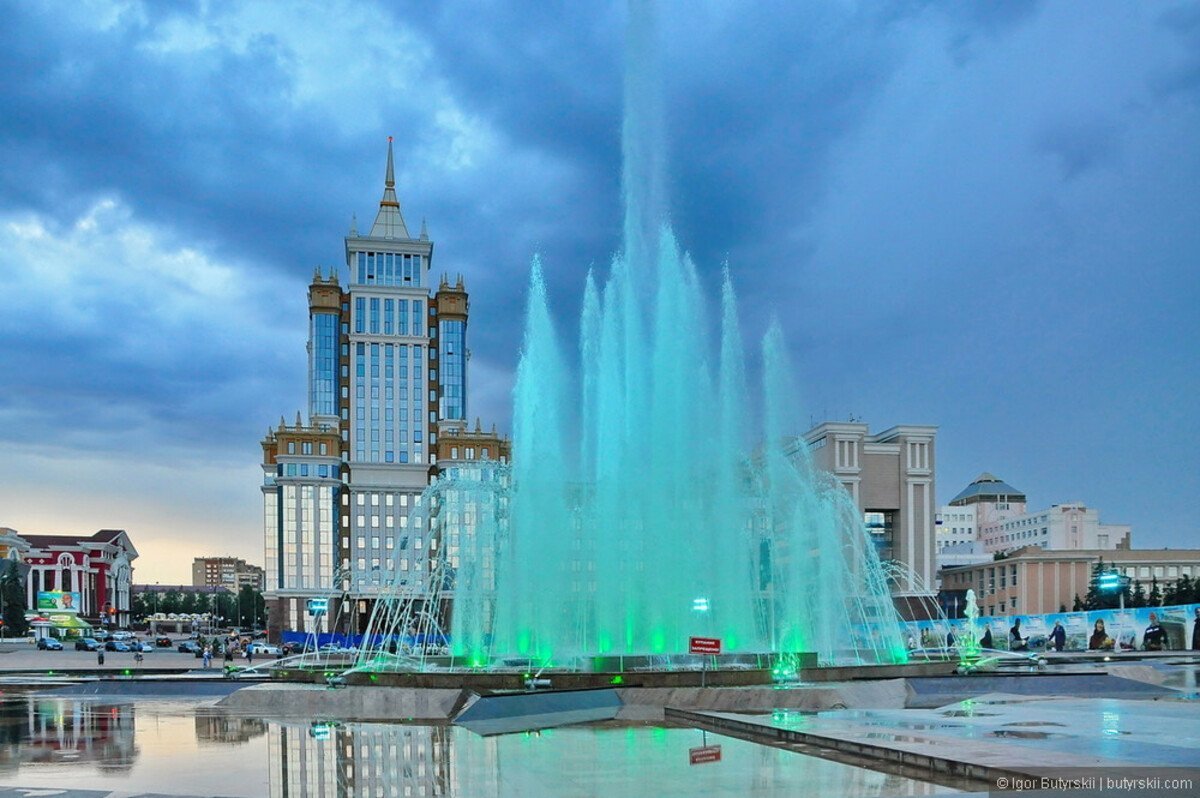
point(1103, 630)
point(58, 601)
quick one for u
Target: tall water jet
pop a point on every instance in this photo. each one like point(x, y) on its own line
point(675, 516)
point(667, 522)
point(968, 646)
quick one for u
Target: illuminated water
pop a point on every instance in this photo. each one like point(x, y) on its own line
point(640, 512)
point(654, 495)
point(968, 645)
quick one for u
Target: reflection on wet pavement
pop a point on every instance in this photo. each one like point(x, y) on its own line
point(187, 749)
point(1159, 733)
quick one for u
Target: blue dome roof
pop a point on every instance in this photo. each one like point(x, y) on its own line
point(987, 487)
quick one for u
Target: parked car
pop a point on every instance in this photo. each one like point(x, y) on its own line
point(163, 642)
point(142, 646)
point(117, 645)
point(264, 650)
point(190, 647)
point(291, 648)
point(87, 644)
point(125, 636)
point(49, 644)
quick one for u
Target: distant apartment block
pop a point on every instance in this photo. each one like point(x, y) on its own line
point(955, 538)
point(1002, 521)
point(230, 572)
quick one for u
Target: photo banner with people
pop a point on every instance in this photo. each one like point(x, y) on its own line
point(1172, 628)
point(58, 601)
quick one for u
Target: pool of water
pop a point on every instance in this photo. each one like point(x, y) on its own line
point(189, 748)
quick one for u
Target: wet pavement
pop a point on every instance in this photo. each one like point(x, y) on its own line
point(93, 747)
point(1008, 733)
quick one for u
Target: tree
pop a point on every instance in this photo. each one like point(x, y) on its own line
point(1078, 605)
point(1180, 592)
point(190, 603)
point(1062, 607)
point(223, 604)
point(169, 602)
point(142, 605)
point(1095, 599)
point(252, 608)
point(1139, 594)
point(1156, 596)
point(12, 589)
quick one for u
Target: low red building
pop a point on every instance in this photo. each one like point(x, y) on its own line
point(99, 568)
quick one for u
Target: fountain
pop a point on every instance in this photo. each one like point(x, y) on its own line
point(968, 643)
point(642, 506)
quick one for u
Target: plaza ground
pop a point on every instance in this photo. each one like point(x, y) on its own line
point(186, 733)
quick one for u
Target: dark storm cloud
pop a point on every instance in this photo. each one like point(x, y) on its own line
point(210, 142)
point(913, 187)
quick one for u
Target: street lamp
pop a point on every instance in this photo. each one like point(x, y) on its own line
point(1109, 581)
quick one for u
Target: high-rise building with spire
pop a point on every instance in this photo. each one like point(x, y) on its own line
point(387, 364)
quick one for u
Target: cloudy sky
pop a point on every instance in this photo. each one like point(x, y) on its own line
point(980, 216)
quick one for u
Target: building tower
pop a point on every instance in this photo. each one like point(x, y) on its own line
point(387, 364)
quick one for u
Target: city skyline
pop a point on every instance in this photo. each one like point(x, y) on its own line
point(979, 219)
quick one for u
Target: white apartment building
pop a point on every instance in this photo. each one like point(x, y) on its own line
point(995, 515)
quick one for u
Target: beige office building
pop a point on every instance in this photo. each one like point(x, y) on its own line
point(890, 475)
point(1034, 580)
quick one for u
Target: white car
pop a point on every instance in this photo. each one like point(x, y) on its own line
point(263, 649)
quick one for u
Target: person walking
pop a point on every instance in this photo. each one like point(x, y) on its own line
point(249, 656)
point(99, 656)
point(986, 640)
point(228, 653)
point(1058, 637)
point(207, 657)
